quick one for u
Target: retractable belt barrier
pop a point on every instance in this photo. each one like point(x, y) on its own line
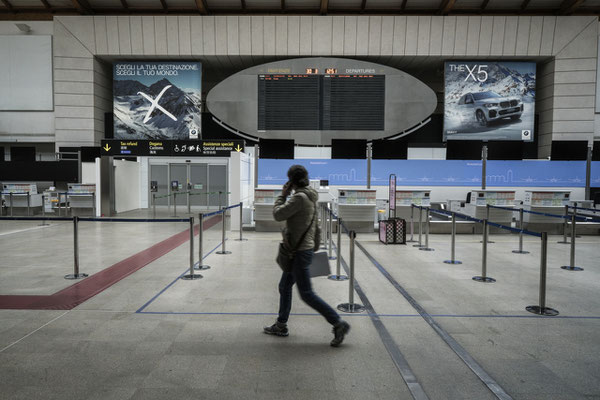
point(77, 274)
point(350, 306)
point(540, 309)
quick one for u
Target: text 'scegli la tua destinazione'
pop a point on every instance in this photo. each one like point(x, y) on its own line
point(153, 69)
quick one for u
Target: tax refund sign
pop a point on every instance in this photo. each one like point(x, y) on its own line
point(487, 100)
point(172, 148)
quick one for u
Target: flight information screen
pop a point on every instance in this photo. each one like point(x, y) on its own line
point(288, 102)
point(321, 102)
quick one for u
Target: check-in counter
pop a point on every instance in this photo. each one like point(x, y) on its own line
point(549, 202)
point(264, 200)
point(357, 209)
point(477, 207)
point(404, 199)
point(81, 198)
point(21, 198)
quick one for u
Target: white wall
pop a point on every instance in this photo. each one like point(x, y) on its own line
point(241, 184)
point(127, 191)
point(88, 172)
point(27, 126)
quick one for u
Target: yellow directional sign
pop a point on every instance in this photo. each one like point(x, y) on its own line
point(238, 148)
point(106, 147)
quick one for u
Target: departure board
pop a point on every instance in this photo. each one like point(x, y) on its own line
point(353, 102)
point(288, 102)
point(321, 102)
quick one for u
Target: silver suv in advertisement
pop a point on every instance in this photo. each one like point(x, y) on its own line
point(489, 106)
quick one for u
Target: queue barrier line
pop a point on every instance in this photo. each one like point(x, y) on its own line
point(540, 309)
point(566, 217)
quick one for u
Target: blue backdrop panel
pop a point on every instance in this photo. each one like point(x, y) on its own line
point(535, 173)
point(338, 172)
point(595, 179)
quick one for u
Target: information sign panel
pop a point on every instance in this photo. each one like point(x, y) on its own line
point(170, 148)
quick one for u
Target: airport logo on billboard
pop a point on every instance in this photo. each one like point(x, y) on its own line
point(489, 101)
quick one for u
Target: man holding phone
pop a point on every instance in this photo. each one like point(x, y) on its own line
point(301, 233)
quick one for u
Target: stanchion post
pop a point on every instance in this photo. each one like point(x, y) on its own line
point(43, 211)
point(93, 204)
point(28, 204)
point(484, 278)
point(520, 251)
point(487, 218)
point(541, 309)
point(571, 266)
point(199, 265)
point(565, 226)
point(174, 204)
point(11, 203)
point(189, 202)
point(75, 274)
point(223, 248)
point(452, 259)
point(191, 276)
point(331, 256)
point(351, 307)
point(220, 207)
point(420, 226)
point(154, 205)
point(412, 224)
point(323, 226)
point(426, 247)
point(241, 239)
point(338, 276)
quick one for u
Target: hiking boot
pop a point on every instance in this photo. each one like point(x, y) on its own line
point(277, 329)
point(340, 330)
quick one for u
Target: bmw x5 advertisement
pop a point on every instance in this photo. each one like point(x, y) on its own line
point(157, 100)
point(489, 100)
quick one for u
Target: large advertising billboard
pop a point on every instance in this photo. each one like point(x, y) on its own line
point(489, 100)
point(157, 100)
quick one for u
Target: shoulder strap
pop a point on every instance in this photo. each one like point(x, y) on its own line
point(309, 226)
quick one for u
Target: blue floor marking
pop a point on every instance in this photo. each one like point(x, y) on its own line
point(139, 311)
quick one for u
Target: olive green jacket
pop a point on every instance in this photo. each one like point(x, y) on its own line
point(297, 212)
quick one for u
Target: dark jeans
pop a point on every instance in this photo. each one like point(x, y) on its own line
point(301, 276)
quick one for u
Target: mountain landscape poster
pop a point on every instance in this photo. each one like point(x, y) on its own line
point(489, 100)
point(157, 100)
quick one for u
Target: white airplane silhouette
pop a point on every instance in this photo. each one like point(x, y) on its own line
point(154, 104)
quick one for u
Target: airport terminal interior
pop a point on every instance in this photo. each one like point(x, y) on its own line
point(453, 156)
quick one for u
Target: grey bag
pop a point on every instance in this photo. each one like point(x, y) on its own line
point(320, 265)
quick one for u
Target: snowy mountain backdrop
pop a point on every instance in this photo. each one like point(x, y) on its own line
point(130, 109)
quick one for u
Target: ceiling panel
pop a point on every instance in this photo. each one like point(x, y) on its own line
point(144, 3)
point(504, 5)
point(181, 3)
point(263, 4)
point(220, 4)
point(303, 4)
point(422, 4)
point(545, 4)
point(60, 3)
point(25, 3)
point(467, 4)
point(100, 4)
point(344, 4)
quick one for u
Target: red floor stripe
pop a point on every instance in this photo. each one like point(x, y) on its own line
point(85, 289)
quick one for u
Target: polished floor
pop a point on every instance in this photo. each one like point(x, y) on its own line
point(146, 334)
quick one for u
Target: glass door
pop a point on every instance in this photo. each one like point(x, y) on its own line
point(179, 173)
point(199, 181)
point(160, 174)
point(217, 182)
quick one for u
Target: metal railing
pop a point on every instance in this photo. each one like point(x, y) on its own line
point(188, 193)
point(541, 308)
point(191, 276)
